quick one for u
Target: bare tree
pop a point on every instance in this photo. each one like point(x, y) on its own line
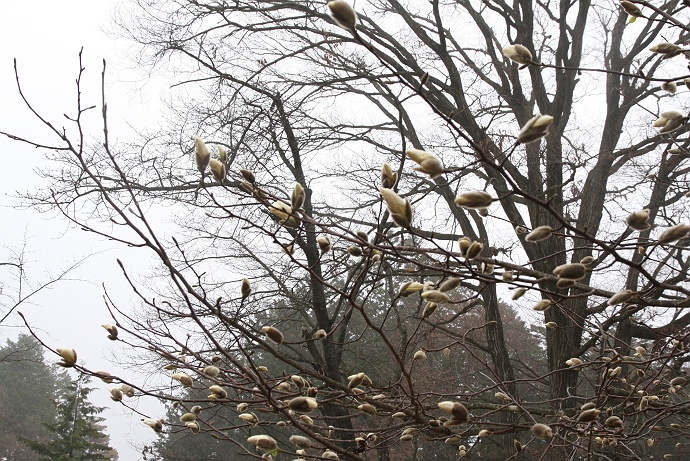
point(518, 159)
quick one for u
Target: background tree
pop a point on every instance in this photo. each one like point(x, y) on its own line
point(582, 212)
point(27, 390)
point(77, 433)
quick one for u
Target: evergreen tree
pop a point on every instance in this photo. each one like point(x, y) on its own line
point(77, 433)
point(27, 387)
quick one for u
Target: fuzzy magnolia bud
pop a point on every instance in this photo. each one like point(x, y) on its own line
point(671, 87)
point(218, 170)
point(388, 177)
point(302, 404)
point(450, 284)
point(621, 297)
point(263, 442)
point(273, 334)
point(246, 289)
point(367, 408)
point(419, 355)
point(518, 293)
point(519, 54)
point(542, 305)
point(217, 392)
point(474, 250)
point(668, 50)
point(574, 271)
point(69, 357)
point(674, 233)
point(284, 211)
point(301, 441)
point(542, 431)
point(211, 371)
point(457, 410)
point(116, 394)
point(630, 8)
point(183, 378)
point(434, 296)
point(589, 415)
point(298, 197)
point(669, 121)
point(638, 220)
point(574, 362)
point(324, 244)
point(248, 176)
point(534, 129)
point(155, 424)
point(428, 163)
point(112, 331)
point(343, 14)
point(539, 233)
point(474, 200)
point(202, 156)
point(400, 210)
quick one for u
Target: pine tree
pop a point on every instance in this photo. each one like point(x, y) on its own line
point(27, 387)
point(77, 433)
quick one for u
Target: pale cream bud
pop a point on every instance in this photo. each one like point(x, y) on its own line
point(367, 408)
point(669, 121)
point(534, 129)
point(324, 244)
point(388, 177)
point(400, 210)
point(449, 284)
point(575, 271)
point(211, 371)
point(218, 170)
point(542, 431)
point(674, 233)
point(539, 233)
point(69, 357)
point(409, 288)
point(434, 296)
point(273, 334)
point(474, 200)
point(518, 293)
point(301, 441)
point(518, 53)
point(245, 289)
point(474, 250)
point(112, 330)
point(343, 14)
point(202, 155)
point(298, 197)
point(263, 442)
point(542, 305)
point(302, 404)
point(155, 424)
point(621, 297)
point(671, 87)
point(428, 163)
point(183, 379)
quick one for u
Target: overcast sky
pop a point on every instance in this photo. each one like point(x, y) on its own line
point(45, 37)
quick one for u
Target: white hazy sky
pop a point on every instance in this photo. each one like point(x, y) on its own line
point(45, 37)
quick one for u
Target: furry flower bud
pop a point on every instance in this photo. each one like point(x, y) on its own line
point(428, 163)
point(519, 54)
point(534, 129)
point(202, 156)
point(474, 200)
point(343, 14)
point(400, 210)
